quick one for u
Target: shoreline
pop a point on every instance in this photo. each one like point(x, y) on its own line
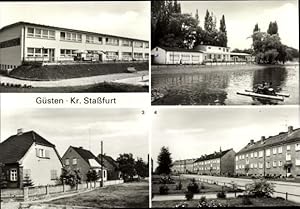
point(174, 69)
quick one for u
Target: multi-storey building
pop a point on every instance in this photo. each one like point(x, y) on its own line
point(23, 41)
point(183, 166)
point(277, 155)
point(218, 163)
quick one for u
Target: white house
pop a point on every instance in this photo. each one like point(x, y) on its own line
point(214, 53)
point(29, 155)
point(23, 41)
point(167, 55)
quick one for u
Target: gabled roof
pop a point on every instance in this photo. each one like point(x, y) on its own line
point(65, 29)
point(281, 138)
point(213, 156)
point(176, 49)
point(187, 161)
point(86, 155)
point(108, 159)
point(15, 147)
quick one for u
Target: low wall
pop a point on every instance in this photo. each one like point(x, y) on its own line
point(29, 193)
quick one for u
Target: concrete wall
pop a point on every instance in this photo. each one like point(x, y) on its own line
point(40, 168)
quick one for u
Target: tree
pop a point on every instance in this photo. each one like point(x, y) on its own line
point(208, 22)
point(256, 28)
point(127, 166)
point(70, 177)
point(92, 175)
point(197, 16)
point(142, 169)
point(164, 161)
point(223, 33)
point(273, 28)
point(260, 188)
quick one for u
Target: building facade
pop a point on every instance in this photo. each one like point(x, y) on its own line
point(113, 171)
point(22, 41)
point(82, 160)
point(28, 155)
point(218, 163)
point(277, 156)
point(183, 166)
point(214, 53)
point(167, 55)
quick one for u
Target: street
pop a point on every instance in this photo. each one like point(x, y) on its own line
point(283, 187)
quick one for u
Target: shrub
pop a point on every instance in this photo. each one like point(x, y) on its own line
point(246, 201)
point(182, 205)
point(193, 187)
point(203, 199)
point(221, 195)
point(189, 195)
point(179, 186)
point(260, 188)
point(202, 186)
point(211, 204)
point(164, 189)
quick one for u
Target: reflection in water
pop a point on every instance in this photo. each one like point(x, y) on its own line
point(220, 87)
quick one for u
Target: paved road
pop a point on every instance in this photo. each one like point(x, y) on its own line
point(283, 187)
point(127, 78)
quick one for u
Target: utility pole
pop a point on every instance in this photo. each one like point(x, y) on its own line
point(0, 184)
point(101, 161)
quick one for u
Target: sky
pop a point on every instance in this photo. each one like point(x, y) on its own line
point(241, 17)
point(129, 19)
point(192, 132)
point(121, 130)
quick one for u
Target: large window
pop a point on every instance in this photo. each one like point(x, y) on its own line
point(68, 36)
point(112, 55)
point(74, 162)
point(13, 174)
point(37, 52)
point(89, 39)
point(112, 41)
point(40, 33)
point(67, 53)
point(147, 45)
point(138, 44)
point(185, 57)
point(67, 161)
point(174, 57)
point(138, 55)
point(126, 43)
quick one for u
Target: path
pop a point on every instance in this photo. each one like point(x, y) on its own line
point(126, 78)
point(196, 196)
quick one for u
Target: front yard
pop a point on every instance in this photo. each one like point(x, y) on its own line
point(127, 195)
point(229, 202)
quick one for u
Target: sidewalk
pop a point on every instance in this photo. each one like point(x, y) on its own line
point(196, 196)
point(134, 78)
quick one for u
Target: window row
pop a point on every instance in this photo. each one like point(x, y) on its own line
point(42, 153)
point(37, 52)
point(27, 172)
point(68, 36)
point(41, 33)
point(209, 168)
point(68, 52)
point(74, 161)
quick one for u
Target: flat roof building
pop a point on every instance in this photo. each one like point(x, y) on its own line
point(23, 41)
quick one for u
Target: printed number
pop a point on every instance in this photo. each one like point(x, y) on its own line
point(155, 112)
point(143, 112)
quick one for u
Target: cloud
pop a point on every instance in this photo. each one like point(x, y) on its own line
point(184, 131)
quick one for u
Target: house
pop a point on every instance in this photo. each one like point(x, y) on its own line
point(113, 172)
point(29, 42)
point(168, 55)
point(82, 160)
point(183, 166)
point(214, 53)
point(29, 155)
point(277, 155)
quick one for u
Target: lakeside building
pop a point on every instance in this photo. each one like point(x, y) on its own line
point(217, 163)
point(29, 42)
point(201, 54)
point(183, 166)
point(29, 156)
point(277, 156)
point(82, 160)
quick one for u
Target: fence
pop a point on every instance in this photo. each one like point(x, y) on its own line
point(285, 195)
point(29, 193)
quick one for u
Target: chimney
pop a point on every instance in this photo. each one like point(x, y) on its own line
point(290, 129)
point(80, 147)
point(251, 141)
point(19, 131)
point(263, 138)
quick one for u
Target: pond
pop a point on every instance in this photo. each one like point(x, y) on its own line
point(210, 86)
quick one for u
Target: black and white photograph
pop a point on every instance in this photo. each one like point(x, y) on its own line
point(226, 157)
point(74, 46)
point(225, 52)
point(62, 158)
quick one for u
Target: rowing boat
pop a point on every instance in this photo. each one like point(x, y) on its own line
point(261, 96)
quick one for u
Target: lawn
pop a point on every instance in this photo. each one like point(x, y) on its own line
point(230, 202)
point(127, 195)
point(56, 72)
point(204, 187)
point(101, 87)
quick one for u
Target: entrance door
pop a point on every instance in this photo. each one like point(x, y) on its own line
point(51, 55)
point(288, 172)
